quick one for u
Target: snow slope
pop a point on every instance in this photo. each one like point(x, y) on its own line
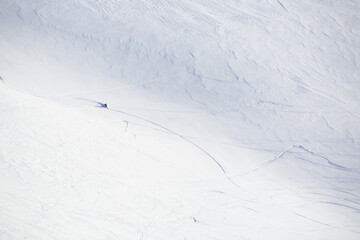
point(226, 119)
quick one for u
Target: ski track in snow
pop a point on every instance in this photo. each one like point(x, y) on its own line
point(171, 131)
point(288, 150)
point(281, 5)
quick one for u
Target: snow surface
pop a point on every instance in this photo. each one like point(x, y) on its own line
point(226, 120)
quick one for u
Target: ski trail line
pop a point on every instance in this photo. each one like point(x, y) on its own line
point(282, 5)
point(181, 136)
point(333, 165)
point(266, 162)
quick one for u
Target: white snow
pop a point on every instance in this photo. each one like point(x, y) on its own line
point(226, 120)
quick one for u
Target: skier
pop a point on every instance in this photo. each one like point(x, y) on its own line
point(105, 105)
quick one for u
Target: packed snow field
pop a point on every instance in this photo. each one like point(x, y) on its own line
point(226, 119)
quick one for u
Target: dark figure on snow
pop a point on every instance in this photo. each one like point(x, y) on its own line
point(105, 105)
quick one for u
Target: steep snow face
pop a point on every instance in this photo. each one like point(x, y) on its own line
point(226, 120)
point(285, 71)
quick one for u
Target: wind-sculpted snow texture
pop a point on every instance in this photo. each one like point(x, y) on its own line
point(225, 119)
